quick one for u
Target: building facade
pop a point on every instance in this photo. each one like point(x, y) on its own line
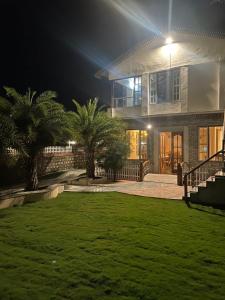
point(172, 97)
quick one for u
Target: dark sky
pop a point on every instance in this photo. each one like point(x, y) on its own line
point(60, 44)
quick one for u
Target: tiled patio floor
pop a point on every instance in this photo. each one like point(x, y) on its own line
point(154, 185)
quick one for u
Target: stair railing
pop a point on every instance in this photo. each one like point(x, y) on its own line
point(202, 172)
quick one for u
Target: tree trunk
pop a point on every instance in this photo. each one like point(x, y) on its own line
point(32, 173)
point(90, 163)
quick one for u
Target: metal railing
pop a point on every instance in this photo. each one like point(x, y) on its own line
point(203, 171)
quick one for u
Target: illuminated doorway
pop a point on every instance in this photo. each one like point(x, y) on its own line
point(171, 151)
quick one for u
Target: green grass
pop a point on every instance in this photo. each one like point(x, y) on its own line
point(111, 246)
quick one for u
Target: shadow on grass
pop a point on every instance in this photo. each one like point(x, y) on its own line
point(209, 210)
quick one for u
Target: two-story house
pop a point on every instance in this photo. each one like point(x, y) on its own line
point(171, 93)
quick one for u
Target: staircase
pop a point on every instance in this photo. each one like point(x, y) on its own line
point(205, 184)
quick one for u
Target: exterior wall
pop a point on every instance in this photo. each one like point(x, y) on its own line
point(145, 95)
point(188, 124)
point(123, 112)
point(201, 60)
point(203, 87)
point(154, 56)
point(222, 85)
point(202, 63)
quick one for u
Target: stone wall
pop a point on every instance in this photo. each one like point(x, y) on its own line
point(54, 162)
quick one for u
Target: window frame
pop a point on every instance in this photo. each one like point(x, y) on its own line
point(124, 99)
point(208, 140)
point(140, 153)
point(174, 88)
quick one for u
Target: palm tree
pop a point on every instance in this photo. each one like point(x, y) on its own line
point(94, 130)
point(38, 121)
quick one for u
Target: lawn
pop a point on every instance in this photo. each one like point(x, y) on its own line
point(111, 246)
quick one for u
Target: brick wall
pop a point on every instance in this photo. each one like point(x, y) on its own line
point(54, 162)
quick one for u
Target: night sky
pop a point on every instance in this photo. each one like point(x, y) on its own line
point(60, 44)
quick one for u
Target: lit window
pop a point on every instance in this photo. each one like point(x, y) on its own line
point(143, 144)
point(137, 140)
point(210, 141)
point(127, 92)
point(203, 143)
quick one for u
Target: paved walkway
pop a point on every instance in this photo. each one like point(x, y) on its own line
point(154, 185)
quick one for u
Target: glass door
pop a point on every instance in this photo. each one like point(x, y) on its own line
point(171, 151)
point(165, 152)
point(177, 150)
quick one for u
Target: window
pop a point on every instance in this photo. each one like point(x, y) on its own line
point(137, 140)
point(210, 141)
point(143, 144)
point(127, 92)
point(165, 86)
point(153, 88)
point(137, 90)
point(203, 143)
point(176, 84)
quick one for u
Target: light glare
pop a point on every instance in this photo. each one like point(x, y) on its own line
point(169, 40)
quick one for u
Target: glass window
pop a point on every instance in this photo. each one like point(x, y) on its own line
point(137, 140)
point(176, 84)
point(203, 143)
point(165, 86)
point(137, 90)
point(143, 144)
point(215, 139)
point(153, 88)
point(210, 141)
point(127, 92)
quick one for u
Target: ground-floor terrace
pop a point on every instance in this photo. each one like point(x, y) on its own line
point(154, 185)
point(169, 140)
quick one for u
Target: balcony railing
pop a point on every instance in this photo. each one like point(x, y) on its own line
point(126, 102)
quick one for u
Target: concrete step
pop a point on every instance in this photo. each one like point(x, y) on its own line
point(220, 175)
point(193, 197)
point(201, 187)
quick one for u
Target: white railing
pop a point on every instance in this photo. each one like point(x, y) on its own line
point(50, 149)
point(57, 149)
point(12, 151)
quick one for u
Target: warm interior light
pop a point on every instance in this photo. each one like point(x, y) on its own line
point(169, 40)
point(149, 126)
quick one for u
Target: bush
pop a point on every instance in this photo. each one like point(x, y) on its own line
point(11, 171)
point(114, 157)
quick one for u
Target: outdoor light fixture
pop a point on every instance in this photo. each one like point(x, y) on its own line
point(169, 48)
point(149, 126)
point(72, 143)
point(169, 40)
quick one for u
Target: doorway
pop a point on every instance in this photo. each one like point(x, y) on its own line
point(171, 151)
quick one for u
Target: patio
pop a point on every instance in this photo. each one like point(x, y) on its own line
point(154, 185)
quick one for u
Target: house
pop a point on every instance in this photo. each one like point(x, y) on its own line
point(171, 93)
